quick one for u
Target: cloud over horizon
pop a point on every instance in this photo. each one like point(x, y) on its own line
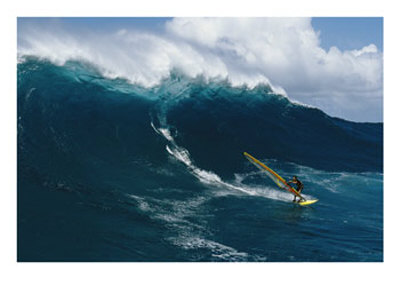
point(283, 52)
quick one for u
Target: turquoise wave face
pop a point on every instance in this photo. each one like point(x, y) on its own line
point(165, 164)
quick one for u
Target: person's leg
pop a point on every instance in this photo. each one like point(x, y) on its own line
point(301, 188)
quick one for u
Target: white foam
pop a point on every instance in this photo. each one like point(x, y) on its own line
point(278, 52)
point(166, 133)
point(204, 176)
point(154, 128)
point(299, 103)
point(136, 197)
point(218, 250)
point(188, 235)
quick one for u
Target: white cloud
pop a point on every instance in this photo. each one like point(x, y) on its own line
point(367, 49)
point(284, 52)
point(287, 51)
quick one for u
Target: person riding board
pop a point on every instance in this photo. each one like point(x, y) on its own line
point(299, 186)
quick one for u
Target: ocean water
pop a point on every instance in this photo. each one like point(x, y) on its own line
point(111, 171)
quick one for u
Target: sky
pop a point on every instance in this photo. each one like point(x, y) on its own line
point(346, 33)
point(349, 33)
point(335, 64)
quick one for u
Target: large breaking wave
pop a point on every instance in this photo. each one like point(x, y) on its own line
point(74, 113)
point(170, 148)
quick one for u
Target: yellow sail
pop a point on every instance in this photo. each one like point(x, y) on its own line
point(273, 175)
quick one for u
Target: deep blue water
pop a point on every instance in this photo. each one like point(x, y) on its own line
point(109, 171)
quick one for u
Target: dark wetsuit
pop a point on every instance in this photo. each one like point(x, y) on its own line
point(299, 186)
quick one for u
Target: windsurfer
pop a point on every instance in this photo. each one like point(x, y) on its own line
point(299, 187)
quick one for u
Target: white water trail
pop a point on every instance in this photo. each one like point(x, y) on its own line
point(211, 179)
